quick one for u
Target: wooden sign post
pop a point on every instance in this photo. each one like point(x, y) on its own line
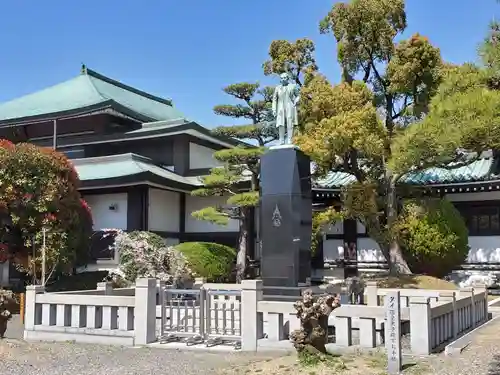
point(393, 333)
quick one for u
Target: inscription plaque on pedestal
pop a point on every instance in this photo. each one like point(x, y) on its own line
point(285, 217)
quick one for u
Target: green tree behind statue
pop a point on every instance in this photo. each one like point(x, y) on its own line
point(351, 127)
point(238, 177)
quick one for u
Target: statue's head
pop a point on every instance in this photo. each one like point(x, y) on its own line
point(284, 78)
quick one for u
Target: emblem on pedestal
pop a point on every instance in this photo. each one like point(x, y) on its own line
point(276, 217)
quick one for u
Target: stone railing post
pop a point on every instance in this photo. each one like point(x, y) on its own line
point(371, 293)
point(451, 297)
point(106, 286)
point(32, 312)
point(420, 325)
point(251, 319)
point(480, 288)
point(145, 311)
point(469, 292)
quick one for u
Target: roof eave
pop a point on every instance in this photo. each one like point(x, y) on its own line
point(134, 179)
point(72, 113)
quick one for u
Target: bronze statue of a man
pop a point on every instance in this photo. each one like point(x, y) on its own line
point(285, 100)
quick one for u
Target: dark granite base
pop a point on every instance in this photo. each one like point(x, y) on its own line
point(285, 217)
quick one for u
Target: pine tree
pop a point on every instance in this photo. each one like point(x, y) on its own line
point(238, 178)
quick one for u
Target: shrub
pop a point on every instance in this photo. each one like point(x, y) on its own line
point(39, 189)
point(433, 236)
point(144, 254)
point(210, 260)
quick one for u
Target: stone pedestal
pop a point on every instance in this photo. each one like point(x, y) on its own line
point(285, 217)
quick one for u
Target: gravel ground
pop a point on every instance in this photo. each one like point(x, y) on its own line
point(20, 358)
point(481, 357)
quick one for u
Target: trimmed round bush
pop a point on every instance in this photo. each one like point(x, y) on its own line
point(213, 261)
point(433, 237)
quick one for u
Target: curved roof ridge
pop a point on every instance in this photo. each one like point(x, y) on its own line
point(93, 87)
point(111, 81)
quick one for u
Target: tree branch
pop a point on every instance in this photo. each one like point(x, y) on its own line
point(404, 107)
point(360, 175)
point(367, 70)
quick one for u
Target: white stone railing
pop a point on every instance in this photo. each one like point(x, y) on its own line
point(375, 296)
point(435, 318)
point(216, 312)
point(454, 314)
point(92, 316)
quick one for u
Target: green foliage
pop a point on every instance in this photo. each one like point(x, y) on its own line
point(352, 127)
point(248, 199)
point(210, 260)
point(214, 215)
point(433, 235)
point(321, 219)
point(463, 118)
point(296, 58)
point(262, 133)
point(38, 189)
point(489, 50)
point(403, 75)
point(341, 125)
point(255, 107)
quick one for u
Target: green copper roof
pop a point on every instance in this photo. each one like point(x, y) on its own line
point(480, 170)
point(335, 179)
point(476, 171)
point(89, 89)
point(113, 166)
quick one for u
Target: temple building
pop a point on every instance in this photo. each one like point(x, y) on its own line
point(473, 189)
point(139, 158)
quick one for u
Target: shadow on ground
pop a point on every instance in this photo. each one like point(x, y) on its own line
point(494, 366)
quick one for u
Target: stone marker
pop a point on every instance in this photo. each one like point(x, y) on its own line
point(393, 333)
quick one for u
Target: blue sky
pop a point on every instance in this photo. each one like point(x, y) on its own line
point(188, 50)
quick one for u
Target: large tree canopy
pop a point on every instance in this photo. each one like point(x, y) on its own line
point(398, 110)
point(38, 190)
point(354, 127)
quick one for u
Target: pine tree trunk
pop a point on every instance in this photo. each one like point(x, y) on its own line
point(393, 254)
point(241, 257)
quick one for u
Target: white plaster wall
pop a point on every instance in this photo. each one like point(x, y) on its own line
point(360, 227)
point(474, 196)
point(163, 213)
point(103, 217)
point(201, 157)
point(484, 249)
point(369, 251)
point(194, 225)
point(333, 250)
